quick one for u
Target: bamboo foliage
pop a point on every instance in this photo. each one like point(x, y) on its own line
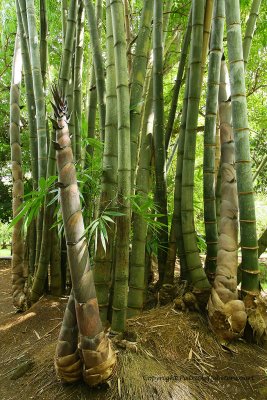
point(18, 278)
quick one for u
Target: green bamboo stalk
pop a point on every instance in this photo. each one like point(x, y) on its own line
point(43, 41)
point(65, 66)
point(176, 236)
point(215, 55)
point(262, 243)
point(250, 29)
point(38, 89)
point(248, 235)
point(178, 82)
point(23, 29)
point(128, 33)
point(137, 78)
point(41, 272)
point(103, 259)
point(158, 133)
point(124, 169)
point(97, 355)
point(260, 168)
point(64, 16)
point(98, 64)
point(69, 97)
point(137, 282)
point(91, 119)
point(77, 89)
point(18, 278)
point(194, 266)
point(55, 264)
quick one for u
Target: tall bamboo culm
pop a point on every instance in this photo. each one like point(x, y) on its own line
point(98, 64)
point(17, 264)
point(194, 266)
point(104, 259)
point(210, 219)
point(158, 134)
point(124, 169)
point(248, 235)
point(137, 79)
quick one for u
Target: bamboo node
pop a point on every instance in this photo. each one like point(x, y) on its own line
point(249, 248)
point(248, 220)
point(252, 272)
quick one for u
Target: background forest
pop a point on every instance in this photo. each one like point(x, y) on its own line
point(136, 132)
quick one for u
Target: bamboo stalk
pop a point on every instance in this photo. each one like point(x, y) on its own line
point(18, 278)
point(124, 169)
point(248, 235)
point(194, 266)
point(215, 55)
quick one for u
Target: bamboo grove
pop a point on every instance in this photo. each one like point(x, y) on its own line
point(95, 222)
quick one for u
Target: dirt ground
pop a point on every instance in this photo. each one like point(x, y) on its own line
point(175, 357)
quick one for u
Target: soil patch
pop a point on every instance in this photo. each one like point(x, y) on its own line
point(174, 356)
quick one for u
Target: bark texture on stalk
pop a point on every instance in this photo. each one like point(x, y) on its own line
point(96, 354)
point(216, 49)
point(17, 263)
point(194, 266)
point(158, 134)
point(124, 170)
point(226, 313)
point(104, 259)
point(248, 235)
